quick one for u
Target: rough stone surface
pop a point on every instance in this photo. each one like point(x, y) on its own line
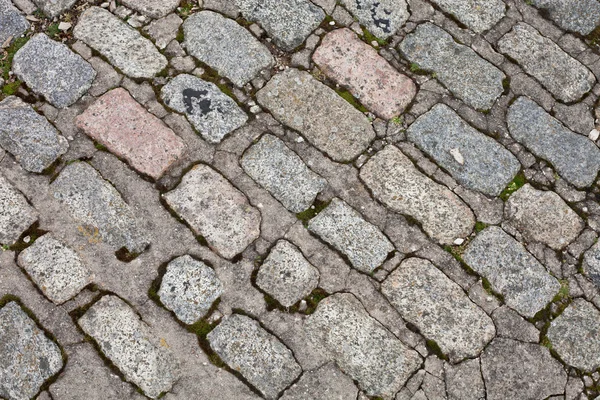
point(278, 169)
point(327, 382)
point(394, 180)
point(581, 16)
point(224, 45)
point(16, 215)
point(164, 30)
point(152, 8)
point(28, 136)
point(464, 381)
point(478, 15)
point(513, 272)
point(591, 264)
point(53, 8)
point(12, 22)
point(468, 76)
point(325, 119)
point(566, 78)
point(213, 113)
point(259, 356)
point(382, 18)
point(350, 62)
point(123, 46)
point(475, 160)
point(573, 156)
point(51, 69)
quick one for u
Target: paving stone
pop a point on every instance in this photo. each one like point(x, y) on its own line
point(468, 76)
point(224, 45)
point(577, 117)
point(464, 381)
point(51, 69)
point(124, 47)
point(382, 18)
point(511, 325)
point(394, 180)
point(98, 207)
point(288, 22)
point(361, 346)
point(575, 157)
point(28, 136)
point(542, 216)
point(56, 269)
point(27, 357)
point(164, 30)
point(521, 371)
point(591, 264)
point(575, 335)
point(566, 78)
point(131, 345)
point(352, 63)
point(581, 16)
point(16, 215)
point(106, 79)
point(216, 210)
point(478, 15)
point(12, 22)
point(152, 8)
point(327, 382)
point(324, 118)
point(513, 272)
point(189, 288)
point(126, 129)
point(213, 113)
point(279, 170)
point(345, 229)
point(259, 356)
point(475, 160)
point(53, 8)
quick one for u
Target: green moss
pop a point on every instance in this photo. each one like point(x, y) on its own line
point(346, 95)
point(185, 9)
point(512, 187)
point(546, 343)
point(6, 62)
point(11, 88)
point(397, 120)
point(100, 147)
point(434, 348)
point(311, 212)
point(506, 83)
point(479, 226)
point(416, 68)
point(180, 36)
point(53, 30)
point(369, 37)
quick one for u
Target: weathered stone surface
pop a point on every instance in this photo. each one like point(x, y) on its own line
point(521, 371)
point(164, 30)
point(54, 8)
point(361, 346)
point(513, 272)
point(259, 356)
point(468, 76)
point(478, 15)
point(581, 16)
point(123, 46)
point(16, 215)
point(575, 335)
point(382, 18)
point(51, 69)
point(574, 157)
point(427, 298)
point(131, 345)
point(224, 45)
point(55, 268)
point(212, 112)
point(28, 136)
point(99, 207)
point(542, 216)
point(325, 119)
point(121, 124)
point(12, 22)
point(279, 170)
point(216, 210)
point(464, 381)
point(288, 22)
point(327, 382)
point(511, 325)
point(395, 181)
point(345, 229)
point(152, 8)
point(591, 264)
point(352, 63)
point(566, 78)
point(475, 160)
point(189, 288)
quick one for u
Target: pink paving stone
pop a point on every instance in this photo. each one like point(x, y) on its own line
point(343, 57)
point(126, 129)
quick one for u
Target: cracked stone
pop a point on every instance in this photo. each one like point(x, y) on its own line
point(478, 15)
point(53, 8)
point(464, 381)
point(12, 22)
point(16, 215)
point(382, 18)
point(591, 264)
point(164, 30)
point(152, 8)
point(327, 382)
point(581, 16)
point(511, 325)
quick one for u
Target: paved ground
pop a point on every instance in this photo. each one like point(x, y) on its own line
point(294, 199)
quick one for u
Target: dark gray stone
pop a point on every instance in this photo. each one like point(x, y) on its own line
point(382, 18)
point(581, 16)
point(591, 264)
point(478, 15)
point(16, 215)
point(53, 8)
point(12, 22)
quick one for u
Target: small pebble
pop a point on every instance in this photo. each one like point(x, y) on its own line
point(459, 241)
point(594, 135)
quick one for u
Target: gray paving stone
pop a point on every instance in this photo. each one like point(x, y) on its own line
point(324, 118)
point(478, 15)
point(345, 229)
point(288, 22)
point(131, 345)
point(164, 30)
point(124, 47)
point(591, 264)
point(464, 381)
point(212, 112)
point(152, 8)
point(575, 157)
point(16, 215)
point(428, 299)
point(575, 335)
point(475, 160)
point(255, 353)
point(513, 272)
point(216, 210)
point(361, 346)
point(53, 8)
point(511, 325)
point(566, 78)
point(12, 22)
point(468, 76)
point(581, 16)
point(189, 288)
point(51, 69)
point(98, 207)
point(394, 180)
point(327, 382)
point(28, 136)
point(27, 357)
point(382, 18)
point(278, 169)
point(224, 45)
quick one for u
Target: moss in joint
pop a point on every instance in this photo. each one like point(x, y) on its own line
point(512, 187)
point(312, 211)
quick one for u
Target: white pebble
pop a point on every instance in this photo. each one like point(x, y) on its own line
point(459, 241)
point(594, 135)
